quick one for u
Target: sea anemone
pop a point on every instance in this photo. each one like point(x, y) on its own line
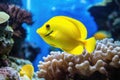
point(102, 64)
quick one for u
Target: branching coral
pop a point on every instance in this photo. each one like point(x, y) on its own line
point(102, 64)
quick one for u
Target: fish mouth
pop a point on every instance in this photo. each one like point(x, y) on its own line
point(49, 33)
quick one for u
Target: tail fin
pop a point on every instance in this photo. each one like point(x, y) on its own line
point(90, 44)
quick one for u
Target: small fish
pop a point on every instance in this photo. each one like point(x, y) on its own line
point(27, 72)
point(67, 34)
point(102, 34)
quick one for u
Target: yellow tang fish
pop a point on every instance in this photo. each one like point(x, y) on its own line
point(27, 71)
point(67, 34)
point(102, 34)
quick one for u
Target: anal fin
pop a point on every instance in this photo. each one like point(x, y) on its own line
point(90, 44)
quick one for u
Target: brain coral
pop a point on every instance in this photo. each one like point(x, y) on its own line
point(102, 64)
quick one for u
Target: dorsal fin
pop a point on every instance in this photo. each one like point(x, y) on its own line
point(79, 25)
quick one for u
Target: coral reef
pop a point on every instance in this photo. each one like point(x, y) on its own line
point(6, 41)
point(109, 17)
point(31, 49)
point(11, 37)
point(18, 16)
point(102, 64)
point(6, 44)
point(8, 73)
point(17, 63)
point(113, 22)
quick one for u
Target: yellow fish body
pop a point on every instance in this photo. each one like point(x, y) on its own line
point(27, 71)
point(67, 34)
point(102, 34)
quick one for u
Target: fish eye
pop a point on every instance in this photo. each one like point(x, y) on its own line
point(48, 26)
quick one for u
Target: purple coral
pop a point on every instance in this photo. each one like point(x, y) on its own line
point(18, 16)
point(8, 73)
point(102, 64)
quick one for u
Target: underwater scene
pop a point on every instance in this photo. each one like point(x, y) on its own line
point(59, 39)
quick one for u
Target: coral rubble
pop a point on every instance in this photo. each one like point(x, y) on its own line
point(102, 64)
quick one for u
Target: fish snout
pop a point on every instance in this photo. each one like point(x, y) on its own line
point(39, 31)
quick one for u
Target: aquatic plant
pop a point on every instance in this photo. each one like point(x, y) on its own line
point(102, 64)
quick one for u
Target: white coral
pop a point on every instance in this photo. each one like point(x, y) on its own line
point(107, 53)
